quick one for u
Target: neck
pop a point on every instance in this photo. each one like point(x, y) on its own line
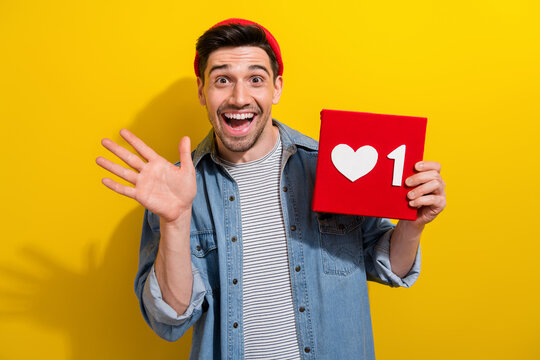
point(263, 146)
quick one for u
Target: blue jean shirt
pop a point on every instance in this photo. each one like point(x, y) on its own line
point(331, 257)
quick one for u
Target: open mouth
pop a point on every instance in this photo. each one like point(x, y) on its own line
point(238, 123)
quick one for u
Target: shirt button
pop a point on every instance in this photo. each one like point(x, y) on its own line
point(198, 248)
point(302, 309)
point(231, 198)
point(298, 268)
point(233, 239)
point(235, 325)
point(293, 228)
point(285, 189)
point(307, 349)
point(234, 281)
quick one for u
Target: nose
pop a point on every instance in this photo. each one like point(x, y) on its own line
point(240, 95)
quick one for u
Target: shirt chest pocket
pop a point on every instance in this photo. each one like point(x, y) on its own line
point(204, 257)
point(341, 243)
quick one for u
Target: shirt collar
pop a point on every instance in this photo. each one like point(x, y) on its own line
point(290, 140)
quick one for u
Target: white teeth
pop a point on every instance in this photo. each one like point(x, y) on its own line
point(239, 116)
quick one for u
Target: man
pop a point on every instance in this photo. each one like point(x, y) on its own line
point(230, 244)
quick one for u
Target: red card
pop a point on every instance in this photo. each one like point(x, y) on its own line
point(363, 162)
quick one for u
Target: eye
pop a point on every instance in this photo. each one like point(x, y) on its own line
point(257, 79)
point(222, 80)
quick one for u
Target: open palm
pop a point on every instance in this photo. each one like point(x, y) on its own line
point(161, 187)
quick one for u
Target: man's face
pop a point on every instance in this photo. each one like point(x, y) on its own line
point(238, 93)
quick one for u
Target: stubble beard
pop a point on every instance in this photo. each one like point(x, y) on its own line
point(241, 144)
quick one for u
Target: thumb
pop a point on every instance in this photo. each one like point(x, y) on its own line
point(185, 152)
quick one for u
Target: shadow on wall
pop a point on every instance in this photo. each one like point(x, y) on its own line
point(173, 114)
point(98, 310)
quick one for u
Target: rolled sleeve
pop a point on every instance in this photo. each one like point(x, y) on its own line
point(384, 268)
point(163, 312)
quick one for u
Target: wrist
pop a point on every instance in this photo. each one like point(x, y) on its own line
point(175, 235)
point(178, 223)
point(412, 228)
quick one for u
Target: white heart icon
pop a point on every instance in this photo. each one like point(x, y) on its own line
point(354, 164)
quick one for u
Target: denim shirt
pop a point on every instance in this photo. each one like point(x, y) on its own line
point(330, 258)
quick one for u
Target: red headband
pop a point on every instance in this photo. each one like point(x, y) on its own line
point(271, 40)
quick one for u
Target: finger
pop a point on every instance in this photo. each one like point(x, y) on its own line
point(427, 165)
point(125, 155)
point(119, 188)
point(422, 177)
point(436, 201)
point(185, 152)
point(126, 174)
point(431, 187)
point(144, 150)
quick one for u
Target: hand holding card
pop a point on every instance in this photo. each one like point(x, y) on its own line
point(363, 161)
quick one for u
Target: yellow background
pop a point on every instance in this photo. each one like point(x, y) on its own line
point(72, 72)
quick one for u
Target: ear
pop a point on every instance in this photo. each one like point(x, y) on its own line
point(200, 92)
point(278, 86)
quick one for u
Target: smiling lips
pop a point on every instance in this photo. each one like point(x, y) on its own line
point(238, 123)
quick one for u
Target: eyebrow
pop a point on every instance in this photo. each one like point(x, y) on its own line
point(259, 67)
point(251, 67)
point(218, 67)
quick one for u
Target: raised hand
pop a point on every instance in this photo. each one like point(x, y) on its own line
point(161, 187)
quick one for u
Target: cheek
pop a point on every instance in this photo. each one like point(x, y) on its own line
point(219, 95)
point(265, 98)
point(213, 101)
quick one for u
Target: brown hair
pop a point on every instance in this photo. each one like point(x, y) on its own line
point(233, 35)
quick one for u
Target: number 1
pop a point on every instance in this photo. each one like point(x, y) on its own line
point(398, 155)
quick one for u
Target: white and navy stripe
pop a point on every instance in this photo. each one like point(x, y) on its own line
point(268, 315)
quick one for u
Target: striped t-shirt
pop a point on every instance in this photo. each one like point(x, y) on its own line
point(268, 316)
